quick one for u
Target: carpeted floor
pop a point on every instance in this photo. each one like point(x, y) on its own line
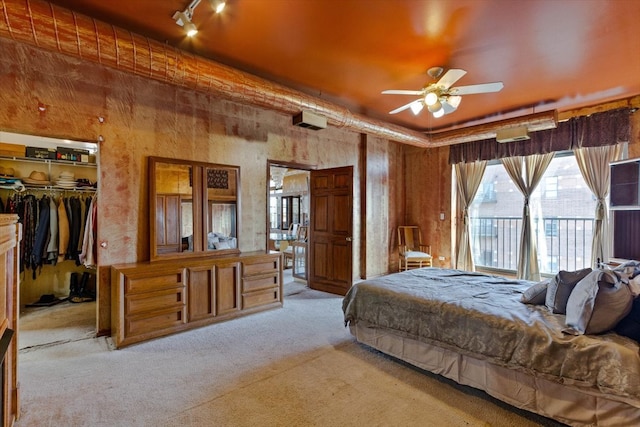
point(292, 366)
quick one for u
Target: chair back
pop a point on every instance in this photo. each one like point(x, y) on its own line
point(302, 233)
point(409, 238)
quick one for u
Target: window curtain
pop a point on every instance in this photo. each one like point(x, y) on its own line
point(468, 177)
point(594, 166)
point(599, 129)
point(533, 168)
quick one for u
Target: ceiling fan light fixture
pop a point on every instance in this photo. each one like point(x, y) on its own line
point(439, 113)
point(435, 106)
point(431, 98)
point(416, 107)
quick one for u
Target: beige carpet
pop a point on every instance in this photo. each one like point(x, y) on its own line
point(296, 366)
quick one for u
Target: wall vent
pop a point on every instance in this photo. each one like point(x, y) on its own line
point(512, 134)
point(307, 119)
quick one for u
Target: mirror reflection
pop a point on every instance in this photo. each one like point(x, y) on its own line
point(174, 210)
point(195, 208)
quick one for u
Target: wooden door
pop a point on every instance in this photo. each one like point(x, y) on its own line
point(330, 232)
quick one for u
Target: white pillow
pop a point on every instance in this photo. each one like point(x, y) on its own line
point(222, 245)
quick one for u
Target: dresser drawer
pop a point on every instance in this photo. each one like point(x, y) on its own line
point(258, 298)
point(154, 323)
point(260, 266)
point(151, 301)
point(256, 283)
point(146, 282)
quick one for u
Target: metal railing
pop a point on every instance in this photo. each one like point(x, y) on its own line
point(562, 243)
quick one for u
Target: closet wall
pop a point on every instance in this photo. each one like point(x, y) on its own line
point(22, 192)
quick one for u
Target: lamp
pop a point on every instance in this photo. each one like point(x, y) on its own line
point(416, 107)
point(436, 106)
point(218, 5)
point(184, 18)
point(431, 98)
point(438, 113)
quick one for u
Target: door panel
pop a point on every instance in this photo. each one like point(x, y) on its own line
point(331, 231)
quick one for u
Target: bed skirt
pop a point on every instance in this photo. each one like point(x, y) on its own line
point(551, 399)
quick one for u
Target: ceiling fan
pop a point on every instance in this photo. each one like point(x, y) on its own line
point(440, 97)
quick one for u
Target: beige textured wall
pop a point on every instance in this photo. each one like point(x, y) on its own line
point(145, 118)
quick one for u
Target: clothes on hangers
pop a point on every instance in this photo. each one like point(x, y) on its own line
point(55, 228)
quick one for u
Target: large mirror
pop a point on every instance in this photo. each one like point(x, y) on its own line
point(193, 208)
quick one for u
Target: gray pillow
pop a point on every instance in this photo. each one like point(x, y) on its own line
point(598, 302)
point(560, 288)
point(536, 294)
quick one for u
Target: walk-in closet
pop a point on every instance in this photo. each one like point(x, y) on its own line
point(51, 184)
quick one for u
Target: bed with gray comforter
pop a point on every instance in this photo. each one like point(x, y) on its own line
point(481, 318)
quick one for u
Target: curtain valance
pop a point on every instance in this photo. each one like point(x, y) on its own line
point(596, 130)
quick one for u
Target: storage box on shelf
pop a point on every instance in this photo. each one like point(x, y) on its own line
point(49, 171)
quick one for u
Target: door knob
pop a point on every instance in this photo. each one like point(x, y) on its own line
point(348, 239)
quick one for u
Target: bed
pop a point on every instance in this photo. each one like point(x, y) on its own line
point(474, 329)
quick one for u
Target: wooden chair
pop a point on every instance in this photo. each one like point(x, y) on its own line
point(412, 252)
point(301, 236)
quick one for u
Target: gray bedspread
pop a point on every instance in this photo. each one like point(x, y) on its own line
point(482, 315)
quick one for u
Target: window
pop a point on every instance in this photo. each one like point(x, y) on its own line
point(551, 227)
point(551, 187)
point(562, 217)
point(488, 192)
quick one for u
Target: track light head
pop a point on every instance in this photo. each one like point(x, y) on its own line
point(184, 20)
point(218, 5)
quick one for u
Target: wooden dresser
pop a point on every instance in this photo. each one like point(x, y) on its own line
point(153, 299)
point(10, 236)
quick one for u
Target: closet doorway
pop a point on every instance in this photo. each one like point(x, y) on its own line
point(51, 184)
point(288, 220)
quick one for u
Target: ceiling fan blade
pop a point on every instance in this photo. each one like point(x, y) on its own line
point(448, 108)
point(402, 92)
point(404, 107)
point(450, 77)
point(472, 89)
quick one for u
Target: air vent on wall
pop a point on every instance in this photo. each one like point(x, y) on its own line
point(307, 119)
point(512, 134)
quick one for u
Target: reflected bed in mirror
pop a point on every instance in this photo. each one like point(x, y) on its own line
point(194, 208)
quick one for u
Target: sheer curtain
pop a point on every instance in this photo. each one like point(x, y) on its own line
point(468, 177)
point(533, 168)
point(594, 166)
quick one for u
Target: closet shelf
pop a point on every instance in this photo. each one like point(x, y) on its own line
point(50, 161)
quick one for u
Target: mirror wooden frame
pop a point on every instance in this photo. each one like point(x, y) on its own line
point(203, 185)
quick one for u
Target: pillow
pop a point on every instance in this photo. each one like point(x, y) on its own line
point(598, 302)
point(560, 288)
point(222, 245)
point(536, 294)
point(630, 325)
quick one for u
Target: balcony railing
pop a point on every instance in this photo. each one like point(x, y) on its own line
point(563, 243)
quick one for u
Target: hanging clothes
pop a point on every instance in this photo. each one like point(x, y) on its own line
point(88, 256)
point(41, 235)
point(52, 247)
point(63, 230)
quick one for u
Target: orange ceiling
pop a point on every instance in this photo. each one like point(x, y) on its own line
point(549, 54)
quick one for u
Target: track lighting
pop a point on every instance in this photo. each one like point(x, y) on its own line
point(218, 5)
point(185, 18)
